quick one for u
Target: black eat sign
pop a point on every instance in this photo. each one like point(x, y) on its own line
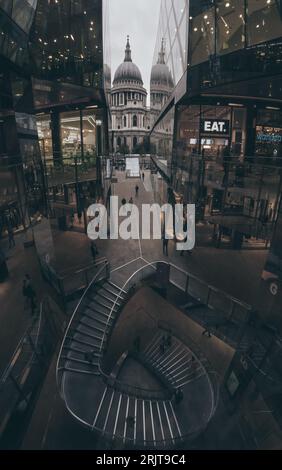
point(215, 126)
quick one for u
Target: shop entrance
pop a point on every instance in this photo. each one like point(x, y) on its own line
point(214, 147)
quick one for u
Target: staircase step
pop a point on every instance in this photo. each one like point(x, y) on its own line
point(119, 289)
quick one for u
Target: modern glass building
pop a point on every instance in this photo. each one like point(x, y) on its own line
point(55, 66)
point(223, 117)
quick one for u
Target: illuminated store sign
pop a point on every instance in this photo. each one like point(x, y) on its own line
point(270, 138)
point(215, 126)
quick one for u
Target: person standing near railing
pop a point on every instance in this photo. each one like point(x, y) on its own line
point(30, 293)
point(94, 250)
point(226, 161)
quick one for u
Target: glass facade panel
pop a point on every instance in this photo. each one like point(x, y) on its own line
point(269, 134)
point(162, 137)
point(264, 21)
point(45, 137)
point(67, 42)
point(188, 132)
point(172, 31)
point(230, 25)
point(21, 12)
point(71, 137)
point(201, 36)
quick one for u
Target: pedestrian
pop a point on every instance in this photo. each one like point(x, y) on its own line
point(168, 340)
point(185, 239)
point(131, 200)
point(207, 333)
point(193, 365)
point(12, 242)
point(89, 356)
point(143, 176)
point(165, 245)
point(188, 251)
point(137, 344)
point(226, 163)
point(94, 251)
point(24, 292)
point(178, 395)
point(136, 190)
point(162, 347)
point(72, 219)
point(79, 215)
point(30, 293)
point(130, 421)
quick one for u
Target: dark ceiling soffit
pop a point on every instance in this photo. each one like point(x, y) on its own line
point(80, 103)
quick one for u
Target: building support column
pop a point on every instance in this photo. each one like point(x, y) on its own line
point(56, 139)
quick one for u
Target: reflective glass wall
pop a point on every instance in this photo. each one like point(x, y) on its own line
point(16, 17)
point(173, 29)
point(196, 31)
point(66, 41)
point(222, 26)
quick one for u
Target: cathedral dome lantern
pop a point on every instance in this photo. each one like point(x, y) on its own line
point(160, 74)
point(128, 71)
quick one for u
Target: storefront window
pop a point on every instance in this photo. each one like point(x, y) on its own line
point(45, 137)
point(202, 36)
point(89, 136)
point(269, 134)
point(71, 137)
point(264, 20)
point(230, 25)
point(238, 132)
point(215, 127)
point(187, 132)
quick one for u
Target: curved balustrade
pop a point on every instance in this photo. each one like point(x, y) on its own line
point(131, 415)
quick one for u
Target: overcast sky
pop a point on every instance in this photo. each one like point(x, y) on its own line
point(139, 19)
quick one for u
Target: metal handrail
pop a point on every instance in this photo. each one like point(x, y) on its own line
point(73, 271)
point(12, 361)
point(105, 266)
point(127, 387)
point(211, 287)
point(20, 378)
point(242, 160)
point(129, 284)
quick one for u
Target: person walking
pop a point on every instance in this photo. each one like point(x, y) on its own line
point(178, 396)
point(165, 245)
point(94, 251)
point(71, 219)
point(131, 200)
point(30, 293)
point(24, 292)
point(168, 340)
point(136, 190)
point(143, 176)
point(11, 237)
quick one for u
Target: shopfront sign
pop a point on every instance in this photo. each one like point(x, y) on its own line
point(215, 126)
point(269, 138)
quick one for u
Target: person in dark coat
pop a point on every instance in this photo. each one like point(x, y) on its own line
point(30, 293)
point(94, 250)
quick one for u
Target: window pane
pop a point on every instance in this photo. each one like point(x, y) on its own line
point(202, 36)
point(230, 25)
point(264, 20)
